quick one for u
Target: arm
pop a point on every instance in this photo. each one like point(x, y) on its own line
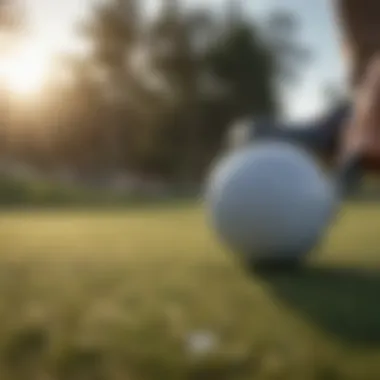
point(359, 21)
point(359, 148)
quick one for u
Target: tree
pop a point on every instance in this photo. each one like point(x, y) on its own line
point(177, 57)
point(115, 36)
point(280, 31)
point(12, 24)
point(196, 74)
point(233, 74)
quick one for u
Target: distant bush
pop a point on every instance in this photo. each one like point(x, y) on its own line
point(14, 193)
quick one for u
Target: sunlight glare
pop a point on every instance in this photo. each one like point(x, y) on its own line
point(25, 71)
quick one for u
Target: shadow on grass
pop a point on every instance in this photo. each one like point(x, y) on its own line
point(344, 302)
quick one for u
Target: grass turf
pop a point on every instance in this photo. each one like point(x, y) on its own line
point(149, 294)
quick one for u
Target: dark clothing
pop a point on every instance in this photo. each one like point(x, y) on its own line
point(320, 135)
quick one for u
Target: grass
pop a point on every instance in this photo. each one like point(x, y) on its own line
point(149, 294)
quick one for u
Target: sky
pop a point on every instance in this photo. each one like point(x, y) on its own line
point(52, 23)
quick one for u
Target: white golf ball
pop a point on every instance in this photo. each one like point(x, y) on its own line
point(270, 200)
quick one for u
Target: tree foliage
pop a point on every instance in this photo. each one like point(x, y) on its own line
point(157, 96)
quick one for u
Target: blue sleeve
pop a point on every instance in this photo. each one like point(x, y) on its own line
point(318, 134)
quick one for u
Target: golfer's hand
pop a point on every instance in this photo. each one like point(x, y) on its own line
point(362, 136)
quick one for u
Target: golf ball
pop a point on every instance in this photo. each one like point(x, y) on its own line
point(270, 200)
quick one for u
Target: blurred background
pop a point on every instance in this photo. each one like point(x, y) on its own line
point(114, 103)
point(126, 97)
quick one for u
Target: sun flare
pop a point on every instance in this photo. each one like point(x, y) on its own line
point(25, 71)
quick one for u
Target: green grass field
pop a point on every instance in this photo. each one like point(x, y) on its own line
point(128, 295)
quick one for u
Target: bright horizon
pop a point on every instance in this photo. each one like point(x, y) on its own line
point(25, 71)
point(53, 30)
